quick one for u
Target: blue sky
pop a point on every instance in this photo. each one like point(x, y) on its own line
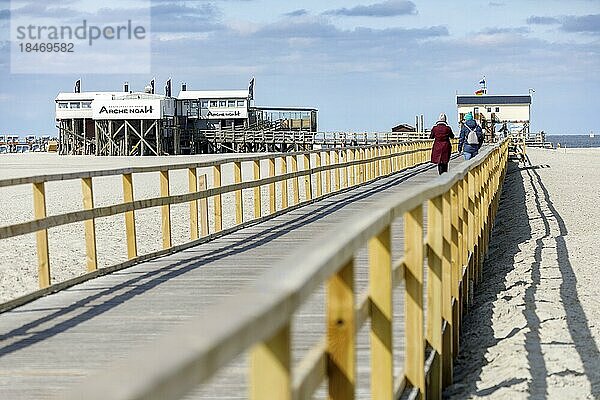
point(366, 65)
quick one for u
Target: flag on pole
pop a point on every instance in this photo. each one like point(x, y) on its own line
point(78, 86)
point(168, 88)
point(482, 81)
point(251, 89)
point(480, 92)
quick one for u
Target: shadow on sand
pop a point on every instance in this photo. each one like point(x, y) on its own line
point(513, 226)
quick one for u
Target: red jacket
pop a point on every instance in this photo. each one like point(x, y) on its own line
point(442, 148)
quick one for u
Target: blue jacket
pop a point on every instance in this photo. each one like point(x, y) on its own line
point(464, 132)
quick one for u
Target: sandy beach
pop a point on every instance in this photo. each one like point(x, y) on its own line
point(18, 264)
point(534, 330)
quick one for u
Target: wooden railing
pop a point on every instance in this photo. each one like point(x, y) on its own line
point(322, 172)
point(460, 205)
point(312, 138)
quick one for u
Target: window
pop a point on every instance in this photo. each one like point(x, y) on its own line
point(497, 109)
point(241, 103)
point(489, 109)
point(231, 103)
point(204, 104)
point(213, 103)
point(222, 103)
point(476, 110)
point(63, 105)
point(86, 104)
point(75, 105)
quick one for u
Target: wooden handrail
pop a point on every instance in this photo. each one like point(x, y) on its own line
point(171, 167)
point(197, 197)
point(261, 314)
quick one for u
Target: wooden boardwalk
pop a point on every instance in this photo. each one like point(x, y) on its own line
point(54, 342)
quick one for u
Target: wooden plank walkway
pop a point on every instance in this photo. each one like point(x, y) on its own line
point(52, 343)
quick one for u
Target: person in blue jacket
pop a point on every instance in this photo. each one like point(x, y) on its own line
point(469, 150)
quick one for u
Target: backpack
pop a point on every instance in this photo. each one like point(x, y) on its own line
point(472, 136)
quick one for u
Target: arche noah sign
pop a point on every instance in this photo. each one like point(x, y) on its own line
point(126, 109)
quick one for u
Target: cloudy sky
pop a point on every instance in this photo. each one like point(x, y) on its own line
point(366, 65)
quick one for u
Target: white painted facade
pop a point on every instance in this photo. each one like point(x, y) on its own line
point(113, 106)
point(509, 108)
point(79, 105)
point(214, 105)
point(502, 112)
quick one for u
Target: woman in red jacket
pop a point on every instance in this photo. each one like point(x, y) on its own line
point(442, 148)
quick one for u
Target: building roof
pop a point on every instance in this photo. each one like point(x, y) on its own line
point(404, 128)
point(492, 99)
point(213, 94)
point(280, 108)
point(139, 96)
point(70, 96)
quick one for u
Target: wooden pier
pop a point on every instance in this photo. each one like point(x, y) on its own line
point(326, 296)
point(114, 138)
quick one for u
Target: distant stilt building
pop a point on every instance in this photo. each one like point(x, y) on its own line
point(497, 114)
point(131, 123)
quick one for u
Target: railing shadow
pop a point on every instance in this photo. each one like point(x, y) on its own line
point(513, 226)
point(107, 299)
point(577, 322)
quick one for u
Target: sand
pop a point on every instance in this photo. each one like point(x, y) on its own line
point(18, 262)
point(534, 329)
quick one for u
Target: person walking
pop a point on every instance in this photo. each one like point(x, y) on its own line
point(442, 148)
point(471, 137)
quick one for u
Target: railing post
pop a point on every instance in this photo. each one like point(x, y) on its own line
point(361, 166)
point(129, 217)
point(338, 183)
point(307, 178)
point(403, 163)
point(272, 187)
point(270, 375)
point(284, 183)
point(464, 233)
point(257, 191)
point(328, 172)
point(193, 188)
point(239, 201)
point(345, 172)
point(435, 247)
point(471, 233)
point(456, 265)
point(341, 334)
point(388, 160)
point(41, 236)
point(477, 220)
point(295, 181)
point(447, 290)
point(350, 158)
point(203, 207)
point(166, 209)
point(89, 225)
point(218, 205)
point(380, 293)
point(368, 164)
point(378, 162)
point(319, 191)
point(414, 361)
